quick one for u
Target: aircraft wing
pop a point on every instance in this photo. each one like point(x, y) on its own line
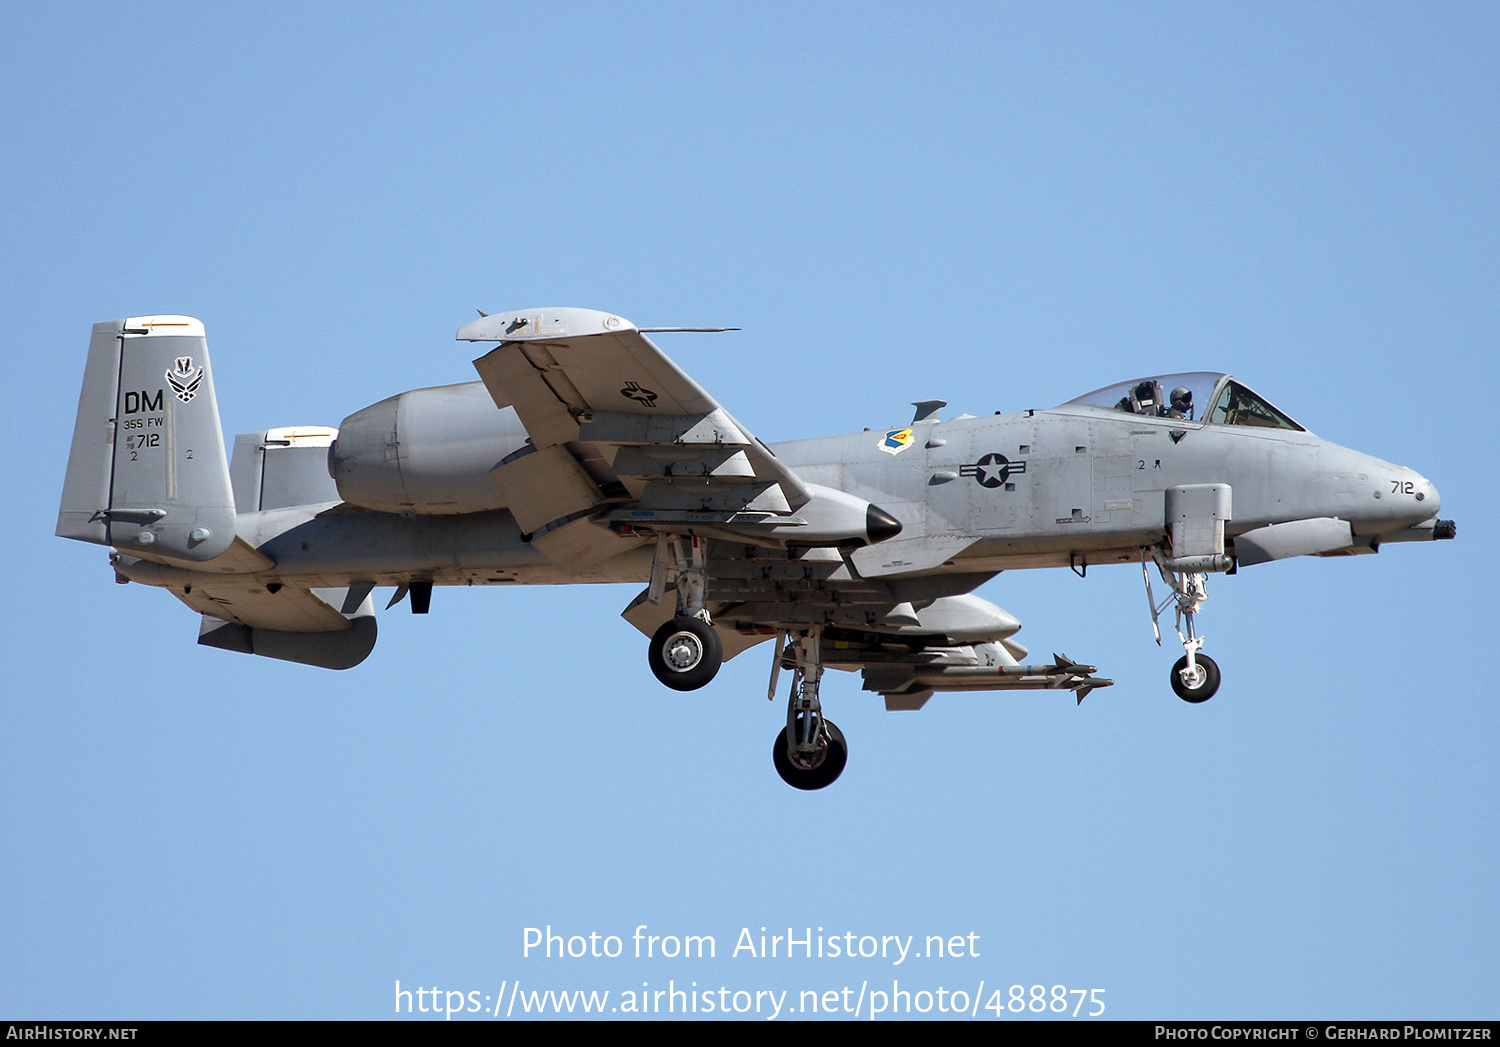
point(618, 430)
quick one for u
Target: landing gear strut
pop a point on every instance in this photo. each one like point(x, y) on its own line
point(1195, 677)
point(810, 752)
point(686, 652)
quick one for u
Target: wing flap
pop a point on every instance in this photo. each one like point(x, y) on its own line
point(581, 543)
point(544, 486)
point(513, 380)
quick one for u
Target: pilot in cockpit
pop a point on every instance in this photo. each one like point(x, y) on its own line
point(1182, 403)
point(1145, 399)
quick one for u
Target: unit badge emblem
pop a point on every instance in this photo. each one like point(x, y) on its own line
point(896, 441)
point(185, 378)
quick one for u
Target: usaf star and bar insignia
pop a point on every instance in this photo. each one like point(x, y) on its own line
point(992, 470)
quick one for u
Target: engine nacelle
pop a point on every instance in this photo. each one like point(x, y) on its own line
point(426, 451)
point(836, 518)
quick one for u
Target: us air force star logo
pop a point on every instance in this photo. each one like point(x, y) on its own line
point(185, 378)
point(633, 391)
point(992, 470)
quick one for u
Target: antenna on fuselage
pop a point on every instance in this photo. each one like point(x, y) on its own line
point(927, 411)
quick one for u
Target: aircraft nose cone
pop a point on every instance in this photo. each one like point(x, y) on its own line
point(1415, 498)
point(1412, 499)
point(1432, 502)
point(880, 525)
point(1427, 496)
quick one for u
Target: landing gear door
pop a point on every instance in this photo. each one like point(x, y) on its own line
point(1196, 514)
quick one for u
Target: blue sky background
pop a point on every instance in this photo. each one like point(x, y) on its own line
point(1001, 205)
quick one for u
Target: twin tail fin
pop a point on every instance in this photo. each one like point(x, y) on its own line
point(147, 471)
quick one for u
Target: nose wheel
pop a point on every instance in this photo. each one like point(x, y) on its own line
point(1197, 682)
point(1195, 677)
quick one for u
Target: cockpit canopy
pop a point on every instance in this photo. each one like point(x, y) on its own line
point(1202, 396)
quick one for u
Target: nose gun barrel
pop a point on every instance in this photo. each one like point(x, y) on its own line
point(1432, 530)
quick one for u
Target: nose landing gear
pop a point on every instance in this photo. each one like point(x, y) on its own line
point(1195, 677)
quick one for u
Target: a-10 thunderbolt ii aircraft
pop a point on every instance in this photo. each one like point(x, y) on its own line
point(586, 455)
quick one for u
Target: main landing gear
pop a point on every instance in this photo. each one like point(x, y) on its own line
point(810, 752)
point(1195, 677)
point(823, 768)
point(686, 652)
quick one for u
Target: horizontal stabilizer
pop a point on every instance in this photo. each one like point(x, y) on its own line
point(342, 650)
point(329, 628)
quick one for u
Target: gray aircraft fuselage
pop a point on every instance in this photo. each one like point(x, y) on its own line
point(1073, 485)
point(1087, 482)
